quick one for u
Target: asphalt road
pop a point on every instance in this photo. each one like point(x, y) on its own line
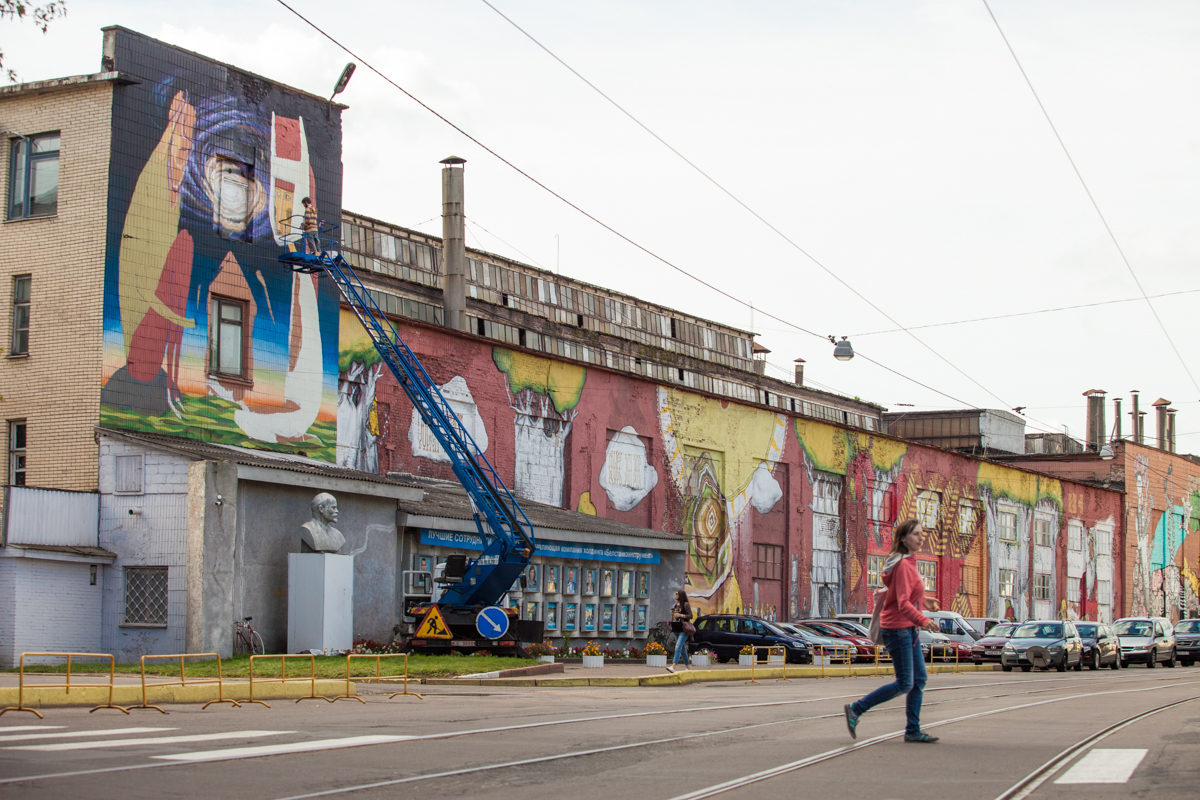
point(669, 743)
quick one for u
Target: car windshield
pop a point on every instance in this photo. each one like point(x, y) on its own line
point(853, 627)
point(1001, 630)
point(1133, 627)
point(1188, 626)
point(1087, 631)
point(1039, 630)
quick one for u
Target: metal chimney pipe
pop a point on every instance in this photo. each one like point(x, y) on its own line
point(454, 245)
point(799, 371)
point(1137, 419)
point(1160, 422)
point(1117, 416)
point(1171, 430)
point(1141, 427)
point(1096, 430)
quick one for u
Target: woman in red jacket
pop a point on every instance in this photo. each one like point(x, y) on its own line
point(900, 622)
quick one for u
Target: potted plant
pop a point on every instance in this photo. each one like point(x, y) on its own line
point(542, 651)
point(777, 657)
point(656, 655)
point(702, 658)
point(746, 656)
point(592, 657)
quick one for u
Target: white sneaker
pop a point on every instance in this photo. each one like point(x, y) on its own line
point(670, 667)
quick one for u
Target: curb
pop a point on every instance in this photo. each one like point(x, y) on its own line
point(691, 676)
point(131, 695)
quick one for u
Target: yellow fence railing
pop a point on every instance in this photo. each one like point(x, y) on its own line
point(776, 656)
point(20, 706)
point(284, 679)
point(183, 679)
point(379, 678)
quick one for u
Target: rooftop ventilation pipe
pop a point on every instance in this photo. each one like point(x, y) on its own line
point(1138, 426)
point(1096, 430)
point(454, 245)
point(1160, 422)
point(799, 371)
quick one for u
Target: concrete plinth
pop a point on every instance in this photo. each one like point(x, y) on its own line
point(320, 602)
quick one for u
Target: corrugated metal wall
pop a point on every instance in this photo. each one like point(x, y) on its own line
point(47, 516)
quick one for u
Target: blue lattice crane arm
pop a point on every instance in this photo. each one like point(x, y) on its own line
point(507, 533)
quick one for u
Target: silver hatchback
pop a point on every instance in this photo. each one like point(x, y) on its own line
point(1146, 640)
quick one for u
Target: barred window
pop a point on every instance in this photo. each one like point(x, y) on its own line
point(1008, 581)
point(145, 596)
point(768, 562)
point(928, 570)
point(1007, 521)
point(875, 571)
point(1041, 587)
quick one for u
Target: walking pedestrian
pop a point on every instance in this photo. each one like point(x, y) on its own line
point(681, 613)
point(900, 622)
point(310, 226)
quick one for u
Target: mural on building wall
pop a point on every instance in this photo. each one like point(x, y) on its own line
point(721, 458)
point(627, 476)
point(544, 394)
point(1163, 580)
point(205, 334)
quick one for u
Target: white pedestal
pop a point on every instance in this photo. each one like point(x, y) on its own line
point(320, 602)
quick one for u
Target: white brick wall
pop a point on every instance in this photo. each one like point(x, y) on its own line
point(155, 537)
point(52, 605)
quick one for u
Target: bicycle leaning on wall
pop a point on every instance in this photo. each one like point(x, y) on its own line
point(246, 640)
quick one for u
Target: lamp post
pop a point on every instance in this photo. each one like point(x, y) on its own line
point(842, 350)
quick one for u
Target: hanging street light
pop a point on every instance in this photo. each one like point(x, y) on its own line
point(842, 350)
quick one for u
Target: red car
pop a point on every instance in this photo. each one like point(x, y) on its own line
point(988, 648)
point(864, 647)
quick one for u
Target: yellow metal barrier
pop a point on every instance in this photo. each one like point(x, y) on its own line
point(112, 666)
point(283, 678)
point(771, 650)
point(183, 681)
point(886, 657)
point(378, 677)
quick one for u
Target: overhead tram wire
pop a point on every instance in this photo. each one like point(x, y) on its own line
point(765, 222)
point(1090, 197)
point(631, 242)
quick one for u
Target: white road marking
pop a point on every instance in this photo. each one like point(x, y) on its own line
point(1105, 766)
point(154, 740)
point(29, 727)
point(24, 737)
point(278, 749)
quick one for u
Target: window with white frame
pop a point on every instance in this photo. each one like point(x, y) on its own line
point(226, 342)
point(929, 508)
point(1008, 582)
point(1103, 540)
point(1041, 532)
point(1073, 591)
point(145, 596)
point(16, 452)
point(1006, 521)
point(928, 571)
point(1104, 592)
point(1041, 586)
point(968, 513)
point(875, 571)
point(1075, 535)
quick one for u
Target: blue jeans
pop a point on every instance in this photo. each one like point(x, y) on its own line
point(681, 652)
point(904, 646)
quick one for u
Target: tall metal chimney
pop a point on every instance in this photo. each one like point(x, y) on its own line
point(1171, 430)
point(1096, 430)
point(1160, 421)
point(799, 371)
point(1141, 423)
point(1137, 419)
point(1117, 416)
point(454, 245)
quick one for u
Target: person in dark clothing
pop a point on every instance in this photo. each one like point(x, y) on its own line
point(681, 611)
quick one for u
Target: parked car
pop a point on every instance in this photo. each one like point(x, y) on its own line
point(1101, 647)
point(985, 624)
point(1043, 643)
point(988, 648)
point(1187, 641)
point(954, 626)
point(936, 646)
point(837, 649)
point(1146, 640)
point(858, 619)
point(864, 647)
point(726, 634)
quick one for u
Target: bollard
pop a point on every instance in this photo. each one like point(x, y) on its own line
point(378, 677)
point(283, 678)
point(184, 682)
point(112, 668)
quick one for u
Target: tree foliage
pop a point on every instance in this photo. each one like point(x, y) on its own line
point(41, 16)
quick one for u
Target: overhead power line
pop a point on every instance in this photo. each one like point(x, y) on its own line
point(1090, 197)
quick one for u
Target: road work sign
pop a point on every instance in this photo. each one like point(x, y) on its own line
point(433, 626)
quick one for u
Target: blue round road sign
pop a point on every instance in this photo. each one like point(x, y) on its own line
point(492, 623)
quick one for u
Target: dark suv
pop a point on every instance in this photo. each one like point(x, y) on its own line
point(727, 634)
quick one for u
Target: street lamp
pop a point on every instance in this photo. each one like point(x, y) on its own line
point(842, 350)
point(1107, 453)
point(343, 80)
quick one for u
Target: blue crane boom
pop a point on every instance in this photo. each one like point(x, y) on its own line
point(507, 533)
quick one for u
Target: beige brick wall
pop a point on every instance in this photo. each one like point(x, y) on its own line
point(56, 388)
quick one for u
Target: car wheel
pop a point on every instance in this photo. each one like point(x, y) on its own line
point(1095, 660)
point(1116, 664)
point(1152, 660)
point(1079, 663)
point(1171, 663)
point(1124, 664)
point(1026, 669)
point(1006, 667)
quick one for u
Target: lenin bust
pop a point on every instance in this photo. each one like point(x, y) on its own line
point(318, 534)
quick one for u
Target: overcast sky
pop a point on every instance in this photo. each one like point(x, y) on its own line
point(897, 143)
